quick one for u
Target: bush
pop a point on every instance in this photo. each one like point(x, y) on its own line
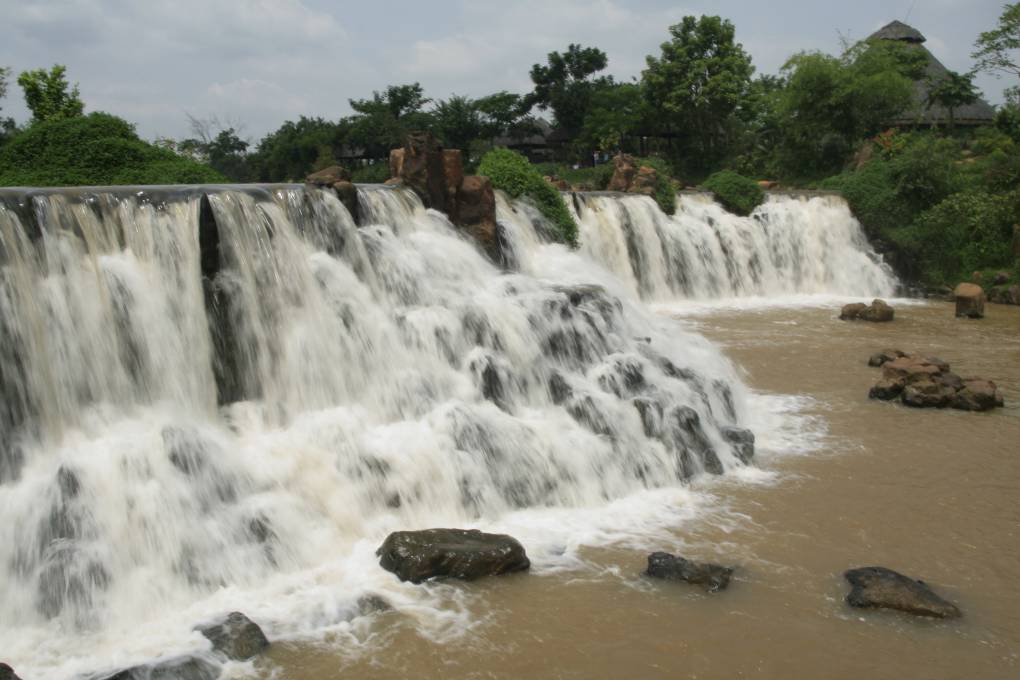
point(590, 179)
point(737, 193)
point(374, 173)
point(665, 194)
point(511, 172)
point(97, 149)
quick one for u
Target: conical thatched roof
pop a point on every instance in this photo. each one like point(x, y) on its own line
point(978, 113)
point(897, 30)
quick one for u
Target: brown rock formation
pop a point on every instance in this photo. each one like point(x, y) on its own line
point(970, 300)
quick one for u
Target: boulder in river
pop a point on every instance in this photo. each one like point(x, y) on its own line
point(741, 440)
point(466, 554)
point(970, 300)
point(235, 636)
point(878, 311)
point(177, 668)
point(711, 577)
point(927, 382)
point(878, 587)
point(7, 673)
point(885, 356)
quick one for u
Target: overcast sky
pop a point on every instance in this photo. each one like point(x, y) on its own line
point(266, 61)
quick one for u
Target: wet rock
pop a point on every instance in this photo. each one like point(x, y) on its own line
point(1005, 296)
point(887, 389)
point(691, 439)
point(1000, 279)
point(327, 177)
point(741, 440)
point(7, 673)
point(927, 393)
point(910, 368)
point(877, 311)
point(711, 577)
point(559, 388)
point(878, 587)
point(348, 195)
point(885, 356)
point(976, 394)
point(235, 636)
point(476, 213)
point(179, 668)
point(970, 300)
point(373, 604)
point(651, 415)
point(417, 556)
point(422, 169)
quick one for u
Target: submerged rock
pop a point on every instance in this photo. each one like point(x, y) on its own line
point(178, 668)
point(235, 636)
point(878, 587)
point(711, 577)
point(970, 300)
point(741, 440)
point(7, 673)
point(417, 556)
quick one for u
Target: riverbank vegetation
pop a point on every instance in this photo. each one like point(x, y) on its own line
point(936, 193)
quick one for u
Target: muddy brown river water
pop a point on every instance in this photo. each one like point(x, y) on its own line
point(934, 494)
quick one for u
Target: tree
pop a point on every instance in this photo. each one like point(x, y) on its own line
point(382, 122)
point(996, 48)
point(619, 113)
point(5, 73)
point(567, 84)
point(297, 148)
point(696, 84)
point(457, 122)
point(47, 95)
point(7, 125)
point(952, 91)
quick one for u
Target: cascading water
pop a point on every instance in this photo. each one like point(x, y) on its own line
point(789, 245)
point(224, 399)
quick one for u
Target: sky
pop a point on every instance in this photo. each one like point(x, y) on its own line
point(258, 63)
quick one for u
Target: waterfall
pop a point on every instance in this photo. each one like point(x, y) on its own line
point(788, 245)
point(224, 398)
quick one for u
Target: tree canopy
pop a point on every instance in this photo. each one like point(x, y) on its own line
point(47, 95)
point(566, 84)
point(996, 49)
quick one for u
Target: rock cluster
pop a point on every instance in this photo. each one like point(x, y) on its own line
point(878, 587)
point(417, 556)
point(630, 178)
point(339, 179)
point(437, 176)
point(1004, 295)
point(878, 310)
point(970, 300)
point(927, 382)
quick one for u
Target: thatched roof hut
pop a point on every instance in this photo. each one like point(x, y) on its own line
point(978, 113)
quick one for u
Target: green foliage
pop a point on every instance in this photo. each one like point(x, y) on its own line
point(96, 149)
point(665, 194)
point(736, 193)
point(47, 96)
point(511, 172)
point(374, 173)
point(952, 90)
point(456, 122)
point(5, 73)
point(382, 122)
point(567, 86)
point(995, 49)
point(292, 151)
point(828, 104)
point(590, 178)
point(620, 111)
point(696, 84)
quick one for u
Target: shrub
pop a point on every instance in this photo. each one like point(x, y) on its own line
point(737, 193)
point(511, 172)
point(96, 149)
point(374, 173)
point(665, 194)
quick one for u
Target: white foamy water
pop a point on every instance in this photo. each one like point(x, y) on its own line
point(789, 246)
point(199, 420)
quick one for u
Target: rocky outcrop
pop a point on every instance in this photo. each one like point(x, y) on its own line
point(711, 577)
point(178, 668)
point(630, 178)
point(1004, 295)
point(338, 179)
point(476, 213)
point(927, 382)
point(1000, 279)
point(7, 673)
point(878, 587)
point(877, 311)
point(970, 300)
point(235, 636)
point(437, 176)
point(327, 177)
point(417, 556)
